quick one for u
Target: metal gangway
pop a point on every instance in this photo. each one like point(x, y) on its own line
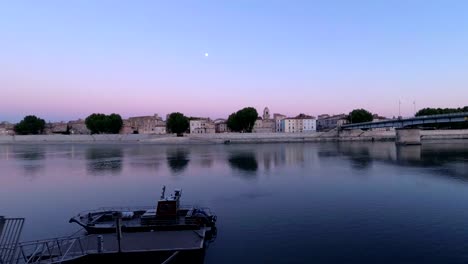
point(54, 250)
point(70, 248)
point(10, 232)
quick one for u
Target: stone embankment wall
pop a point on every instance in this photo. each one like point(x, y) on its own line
point(352, 135)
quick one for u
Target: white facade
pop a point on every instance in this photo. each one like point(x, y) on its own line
point(299, 124)
point(202, 126)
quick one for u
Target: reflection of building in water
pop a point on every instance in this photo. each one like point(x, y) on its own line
point(200, 125)
point(268, 157)
point(104, 160)
point(30, 158)
point(264, 124)
point(144, 125)
point(299, 124)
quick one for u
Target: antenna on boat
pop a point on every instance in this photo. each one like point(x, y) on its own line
point(163, 191)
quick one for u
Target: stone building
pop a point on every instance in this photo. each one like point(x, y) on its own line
point(278, 118)
point(7, 129)
point(56, 128)
point(78, 127)
point(377, 118)
point(326, 122)
point(202, 126)
point(221, 125)
point(264, 124)
point(144, 125)
point(299, 124)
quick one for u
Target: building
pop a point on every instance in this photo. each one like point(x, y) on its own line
point(326, 122)
point(299, 124)
point(201, 126)
point(221, 125)
point(278, 118)
point(377, 118)
point(144, 125)
point(56, 128)
point(7, 129)
point(264, 124)
point(78, 127)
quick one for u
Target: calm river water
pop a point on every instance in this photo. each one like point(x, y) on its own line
point(276, 203)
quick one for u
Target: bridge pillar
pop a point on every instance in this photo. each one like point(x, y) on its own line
point(408, 136)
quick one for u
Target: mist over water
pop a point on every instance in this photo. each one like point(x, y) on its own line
point(276, 203)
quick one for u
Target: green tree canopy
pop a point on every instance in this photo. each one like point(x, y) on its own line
point(359, 116)
point(243, 120)
point(30, 125)
point(177, 123)
point(104, 124)
point(439, 111)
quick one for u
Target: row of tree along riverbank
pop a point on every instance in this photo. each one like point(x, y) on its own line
point(232, 138)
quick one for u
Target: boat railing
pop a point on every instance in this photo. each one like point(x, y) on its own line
point(170, 222)
point(134, 208)
point(115, 208)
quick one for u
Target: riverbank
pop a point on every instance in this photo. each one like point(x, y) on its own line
point(352, 135)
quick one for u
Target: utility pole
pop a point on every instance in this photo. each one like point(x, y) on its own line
point(399, 108)
point(414, 106)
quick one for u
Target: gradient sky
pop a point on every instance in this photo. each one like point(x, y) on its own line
point(64, 60)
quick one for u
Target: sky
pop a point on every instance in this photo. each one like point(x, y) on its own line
point(63, 60)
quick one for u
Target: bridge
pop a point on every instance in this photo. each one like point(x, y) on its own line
point(411, 122)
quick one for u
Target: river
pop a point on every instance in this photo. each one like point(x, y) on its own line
point(276, 203)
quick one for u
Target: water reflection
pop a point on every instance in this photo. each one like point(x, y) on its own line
point(177, 160)
point(104, 160)
point(245, 162)
point(31, 160)
point(443, 159)
point(144, 157)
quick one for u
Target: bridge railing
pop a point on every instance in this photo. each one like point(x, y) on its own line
point(400, 122)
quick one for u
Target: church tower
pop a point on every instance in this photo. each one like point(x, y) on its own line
point(266, 113)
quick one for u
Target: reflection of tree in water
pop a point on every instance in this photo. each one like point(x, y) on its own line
point(177, 160)
point(245, 162)
point(104, 160)
point(32, 160)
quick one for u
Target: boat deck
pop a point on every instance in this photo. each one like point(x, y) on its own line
point(139, 242)
point(146, 241)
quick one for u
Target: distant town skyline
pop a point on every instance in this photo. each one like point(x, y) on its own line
point(64, 60)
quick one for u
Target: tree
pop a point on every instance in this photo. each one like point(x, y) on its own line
point(359, 116)
point(104, 124)
point(177, 123)
point(243, 120)
point(30, 125)
point(233, 123)
point(439, 111)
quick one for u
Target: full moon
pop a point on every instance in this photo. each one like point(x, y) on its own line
point(206, 54)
